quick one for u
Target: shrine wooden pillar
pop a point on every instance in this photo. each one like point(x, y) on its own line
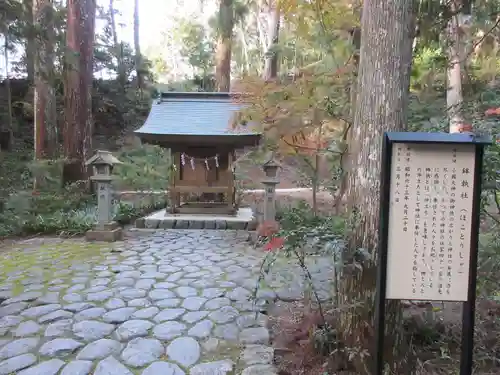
point(230, 183)
point(175, 198)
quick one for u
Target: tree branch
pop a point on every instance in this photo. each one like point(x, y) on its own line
point(306, 148)
point(478, 42)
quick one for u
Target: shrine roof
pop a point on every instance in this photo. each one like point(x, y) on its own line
point(193, 114)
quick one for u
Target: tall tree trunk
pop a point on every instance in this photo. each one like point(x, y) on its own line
point(77, 131)
point(45, 99)
point(117, 47)
point(457, 40)
point(339, 202)
point(224, 44)
point(10, 120)
point(137, 46)
point(381, 105)
point(30, 40)
point(262, 38)
point(246, 58)
point(454, 96)
point(271, 56)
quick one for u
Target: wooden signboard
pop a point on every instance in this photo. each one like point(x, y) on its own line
point(429, 232)
point(430, 192)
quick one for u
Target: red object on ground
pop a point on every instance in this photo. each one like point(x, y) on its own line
point(275, 243)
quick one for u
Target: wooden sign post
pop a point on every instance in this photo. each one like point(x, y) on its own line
point(429, 224)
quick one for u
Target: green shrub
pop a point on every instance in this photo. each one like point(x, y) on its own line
point(49, 214)
point(144, 168)
point(489, 264)
point(302, 216)
point(69, 210)
point(73, 210)
point(126, 212)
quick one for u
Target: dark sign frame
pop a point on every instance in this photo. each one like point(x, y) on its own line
point(390, 138)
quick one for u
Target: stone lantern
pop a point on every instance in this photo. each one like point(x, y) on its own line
point(106, 229)
point(270, 168)
point(270, 181)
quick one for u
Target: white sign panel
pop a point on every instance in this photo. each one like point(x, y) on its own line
point(430, 222)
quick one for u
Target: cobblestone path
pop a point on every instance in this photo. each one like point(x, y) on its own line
point(165, 302)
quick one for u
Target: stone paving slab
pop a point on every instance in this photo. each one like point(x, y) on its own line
point(171, 302)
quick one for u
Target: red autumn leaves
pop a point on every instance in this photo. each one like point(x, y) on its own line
point(275, 243)
point(492, 112)
point(268, 229)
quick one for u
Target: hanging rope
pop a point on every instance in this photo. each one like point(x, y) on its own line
point(206, 161)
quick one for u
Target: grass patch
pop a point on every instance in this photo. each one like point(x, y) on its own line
point(42, 261)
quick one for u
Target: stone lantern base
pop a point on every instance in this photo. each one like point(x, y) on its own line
point(111, 232)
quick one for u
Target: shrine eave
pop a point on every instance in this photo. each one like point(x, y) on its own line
point(179, 141)
point(443, 138)
point(196, 117)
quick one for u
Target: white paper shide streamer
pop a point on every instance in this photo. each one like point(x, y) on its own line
point(206, 161)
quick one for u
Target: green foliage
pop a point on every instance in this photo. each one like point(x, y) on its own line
point(14, 173)
point(429, 69)
point(72, 210)
point(144, 168)
point(125, 212)
point(116, 108)
point(48, 209)
point(69, 211)
point(489, 264)
point(197, 48)
point(302, 228)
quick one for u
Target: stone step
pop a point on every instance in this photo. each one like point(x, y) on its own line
point(244, 220)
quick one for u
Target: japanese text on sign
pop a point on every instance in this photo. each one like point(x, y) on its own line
point(430, 222)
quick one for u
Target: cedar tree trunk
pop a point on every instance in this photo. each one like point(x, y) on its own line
point(224, 44)
point(30, 39)
point(381, 104)
point(137, 46)
point(118, 47)
point(77, 132)
point(45, 99)
point(271, 55)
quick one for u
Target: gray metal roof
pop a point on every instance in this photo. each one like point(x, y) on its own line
point(193, 114)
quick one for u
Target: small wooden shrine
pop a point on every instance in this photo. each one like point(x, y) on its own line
point(196, 127)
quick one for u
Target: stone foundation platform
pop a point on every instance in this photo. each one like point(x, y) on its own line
point(243, 220)
point(111, 232)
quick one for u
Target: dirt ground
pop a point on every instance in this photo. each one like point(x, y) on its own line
point(288, 199)
point(292, 326)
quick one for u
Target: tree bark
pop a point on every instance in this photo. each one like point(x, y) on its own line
point(339, 203)
point(381, 105)
point(45, 98)
point(118, 48)
point(271, 55)
point(137, 46)
point(77, 131)
point(30, 48)
point(246, 60)
point(457, 40)
point(9, 90)
point(260, 29)
point(224, 44)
